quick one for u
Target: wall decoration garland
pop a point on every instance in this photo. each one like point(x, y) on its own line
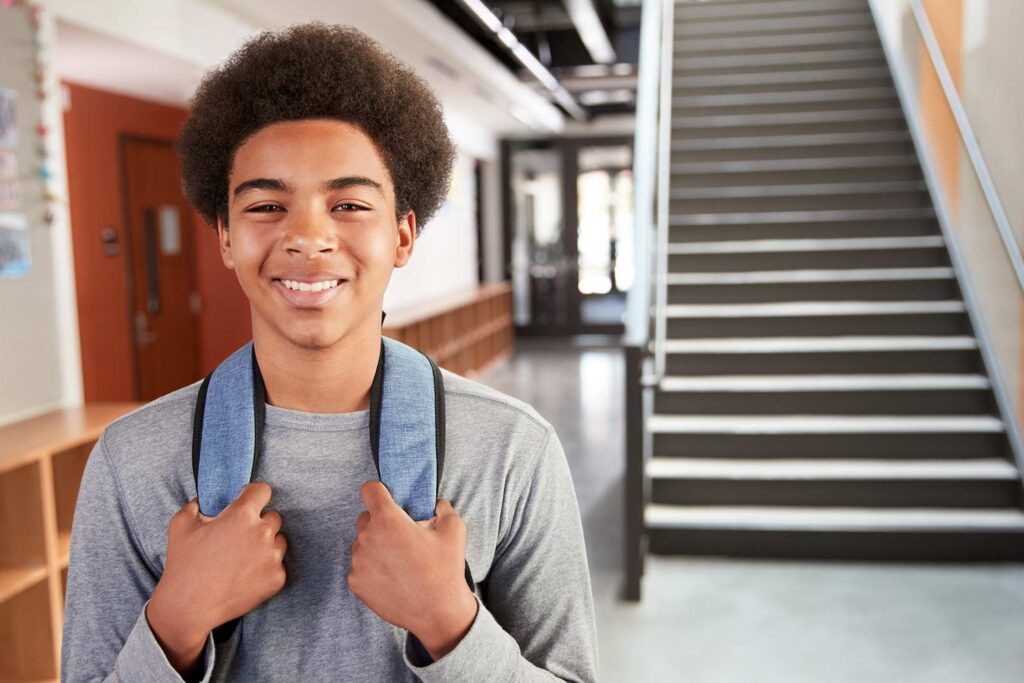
point(26, 194)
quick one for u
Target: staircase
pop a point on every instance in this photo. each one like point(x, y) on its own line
point(824, 395)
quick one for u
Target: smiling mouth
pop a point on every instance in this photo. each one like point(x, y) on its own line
point(297, 286)
point(308, 295)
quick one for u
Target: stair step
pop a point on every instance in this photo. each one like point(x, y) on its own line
point(806, 245)
point(833, 519)
point(786, 118)
point(858, 95)
point(783, 165)
point(981, 469)
point(839, 345)
point(826, 383)
point(821, 59)
point(862, 73)
point(789, 354)
point(823, 424)
point(788, 43)
point(773, 26)
point(864, 284)
point(715, 11)
point(809, 276)
point(846, 215)
point(775, 141)
point(803, 190)
point(794, 309)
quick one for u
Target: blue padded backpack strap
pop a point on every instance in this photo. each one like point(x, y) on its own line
point(227, 438)
point(228, 430)
point(407, 427)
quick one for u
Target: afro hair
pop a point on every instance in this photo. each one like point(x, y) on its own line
point(317, 71)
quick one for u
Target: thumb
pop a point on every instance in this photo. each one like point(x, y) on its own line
point(376, 497)
point(447, 520)
point(189, 513)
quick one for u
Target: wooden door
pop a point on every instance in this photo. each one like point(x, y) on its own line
point(165, 301)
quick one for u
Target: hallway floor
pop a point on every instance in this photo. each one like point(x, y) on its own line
point(712, 620)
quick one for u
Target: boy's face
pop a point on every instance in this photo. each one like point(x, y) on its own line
point(311, 233)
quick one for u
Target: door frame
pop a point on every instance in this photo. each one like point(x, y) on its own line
point(568, 149)
point(129, 252)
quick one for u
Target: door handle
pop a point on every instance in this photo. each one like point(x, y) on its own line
point(152, 263)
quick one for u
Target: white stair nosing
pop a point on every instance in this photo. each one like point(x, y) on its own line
point(785, 118)
point(710, 144)
point(829, 519)
point(789, 309)
point(767, 62)
point(782, 77)
point(807, 245)
point(823, 383)
point(797, 190)
point(759, 277)
point(699, 12)
point(763, 425)
point(773, 26)
point(778, 217)
point(786, 97)
point(847, 344)
point(787, 165)
point(668, 468)
point(740, 43)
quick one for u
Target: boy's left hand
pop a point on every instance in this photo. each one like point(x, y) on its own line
point(412, 573)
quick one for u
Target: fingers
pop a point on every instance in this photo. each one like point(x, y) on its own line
point(361, 521)
point(254, 497)
point(189, 513)
point(448, 520)
point(376, 497)
point(273, 521)
point(281, 546)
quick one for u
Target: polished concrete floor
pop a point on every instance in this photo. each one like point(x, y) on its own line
point(724, 621)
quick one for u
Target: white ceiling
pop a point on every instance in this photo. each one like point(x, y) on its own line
point(161, 55)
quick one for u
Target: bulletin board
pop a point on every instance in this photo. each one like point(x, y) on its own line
point(24, 172)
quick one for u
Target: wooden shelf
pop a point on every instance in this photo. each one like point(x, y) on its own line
point(41, 464)
point(13, 580)
point(463, 332)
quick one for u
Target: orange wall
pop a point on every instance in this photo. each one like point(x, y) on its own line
point(946, 18)
point(93, 125)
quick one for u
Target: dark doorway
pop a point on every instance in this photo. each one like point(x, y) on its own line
point(569, 233)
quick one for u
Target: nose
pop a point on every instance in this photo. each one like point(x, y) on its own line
point(308, 233)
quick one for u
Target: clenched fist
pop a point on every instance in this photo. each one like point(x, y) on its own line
point(217, 569)
point(412, 573)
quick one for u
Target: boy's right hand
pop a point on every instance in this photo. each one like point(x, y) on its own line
point(217, 569)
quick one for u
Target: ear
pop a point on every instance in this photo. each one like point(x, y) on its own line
point(406, 239)
point(224, 238)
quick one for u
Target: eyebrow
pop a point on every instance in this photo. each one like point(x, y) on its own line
point(327, 186)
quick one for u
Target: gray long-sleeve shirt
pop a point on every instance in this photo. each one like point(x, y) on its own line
point(505, 473)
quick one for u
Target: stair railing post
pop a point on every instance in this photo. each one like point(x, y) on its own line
point(635, 496)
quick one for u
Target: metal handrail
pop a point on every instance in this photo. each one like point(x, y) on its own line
point(995, 206)
point(664, 171)
point(645, 153)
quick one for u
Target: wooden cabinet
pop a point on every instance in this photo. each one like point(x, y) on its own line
point(41, 465)
point(464, 332)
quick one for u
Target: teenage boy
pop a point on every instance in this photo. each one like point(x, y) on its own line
point(318, 157)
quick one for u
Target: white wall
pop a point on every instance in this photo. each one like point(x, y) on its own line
point(39, 360)
point(444, 257)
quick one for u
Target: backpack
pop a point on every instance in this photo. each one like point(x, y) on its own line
point(407, 423)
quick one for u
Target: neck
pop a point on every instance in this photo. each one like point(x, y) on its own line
point(335, 379)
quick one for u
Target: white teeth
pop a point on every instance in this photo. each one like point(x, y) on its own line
point(310, 286)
